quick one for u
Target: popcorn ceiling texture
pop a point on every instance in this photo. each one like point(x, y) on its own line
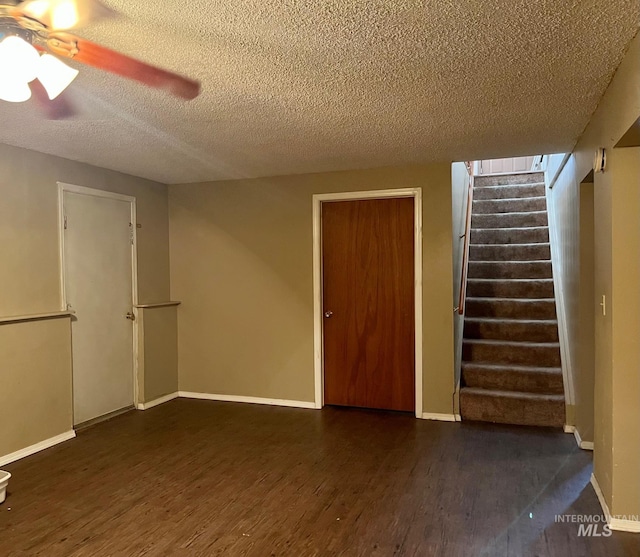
point(306, 86)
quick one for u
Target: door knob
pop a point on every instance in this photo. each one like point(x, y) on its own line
point(130, 316)
point(328, 314)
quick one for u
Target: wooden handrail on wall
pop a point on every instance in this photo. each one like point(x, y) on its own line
point(157, 305)
point(35, 317)
point(467, 239)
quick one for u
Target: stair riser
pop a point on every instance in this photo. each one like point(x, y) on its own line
point(510, 289)
point(510, 270)
point(475, 407)
point(508, 192)
point(511, 309)
point(508, 179)
point(541, 356)
point(514, 380)
point(494, 252)
point(510, 235)
point(509, 205)
point(530, 331)
point(509, 220)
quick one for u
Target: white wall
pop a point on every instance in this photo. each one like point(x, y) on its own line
point(459, 190)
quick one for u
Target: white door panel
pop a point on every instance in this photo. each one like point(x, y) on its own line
point(499, 166)
point(98, 287)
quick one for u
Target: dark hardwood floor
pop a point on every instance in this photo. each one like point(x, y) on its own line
point(203, 478)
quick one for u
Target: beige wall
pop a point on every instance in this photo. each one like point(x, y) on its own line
point(625, 346)
point(570, 205)
point(616, 253)
point(35, 398)
point(30, 280)
point(241, 263)
point(459, 194)
point(158, 364)
point(585, 361)
point(603, 393)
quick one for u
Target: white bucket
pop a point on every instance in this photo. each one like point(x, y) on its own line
point(4, 482)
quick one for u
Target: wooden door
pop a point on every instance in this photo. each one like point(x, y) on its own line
point(368, 303)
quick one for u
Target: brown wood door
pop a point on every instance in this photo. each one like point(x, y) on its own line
point(368, 303)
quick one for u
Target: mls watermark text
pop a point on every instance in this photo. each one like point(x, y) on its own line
point(592, 525)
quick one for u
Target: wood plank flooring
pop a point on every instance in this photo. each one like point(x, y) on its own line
point(200, 478)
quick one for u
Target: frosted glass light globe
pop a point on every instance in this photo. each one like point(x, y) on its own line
point(19, 61)
point(14, 91)
point(55, 75)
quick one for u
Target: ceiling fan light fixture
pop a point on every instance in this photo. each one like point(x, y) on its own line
point(55, 75)
point(64, 15)
point(58, 15)
point(14, 91)
point(36, 9)
point(19, 61)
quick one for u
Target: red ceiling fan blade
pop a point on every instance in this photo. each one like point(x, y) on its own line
point(92, 54)
point(57, 109)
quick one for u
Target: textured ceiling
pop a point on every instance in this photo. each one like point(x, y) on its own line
point(307, 86)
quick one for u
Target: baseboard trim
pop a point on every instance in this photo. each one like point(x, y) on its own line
point(600, 496)
point(624, 525)
point(441, 417)
point(570, 429)
point(249, 400)
point(615, 523)
point(33, 449)
point(586, 445)
point(157, 401)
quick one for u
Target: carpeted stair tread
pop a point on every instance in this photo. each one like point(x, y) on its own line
point(533, 330)
point(543, 354)
point(527, 235)
point(516, 394)
point(509, 205)
point(511, 407)
point(509, 192)
point(522, 219)
point(530, 379)
point(509, 179)
point(510, 252)
point(509, 288)
point(510, 269)
point(511, 308)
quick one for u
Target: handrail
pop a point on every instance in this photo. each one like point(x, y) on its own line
point(467, 239)
point(35, 317)
point(158, 305)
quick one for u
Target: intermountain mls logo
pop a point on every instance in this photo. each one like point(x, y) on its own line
point(593, 526)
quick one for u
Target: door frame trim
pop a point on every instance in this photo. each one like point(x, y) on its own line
point(93, 192)
point(318, 340)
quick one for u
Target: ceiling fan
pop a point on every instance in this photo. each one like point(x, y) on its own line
point(34, 38)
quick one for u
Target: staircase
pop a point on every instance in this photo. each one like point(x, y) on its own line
point(511, 369)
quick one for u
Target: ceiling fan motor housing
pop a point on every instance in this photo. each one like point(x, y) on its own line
point(9, 28)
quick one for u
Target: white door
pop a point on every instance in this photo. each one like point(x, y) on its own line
point(499, 166)
point(98, 287)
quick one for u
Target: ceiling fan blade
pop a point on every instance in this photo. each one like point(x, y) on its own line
point(57, 109)
point(62, 14)
point(92, 54)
